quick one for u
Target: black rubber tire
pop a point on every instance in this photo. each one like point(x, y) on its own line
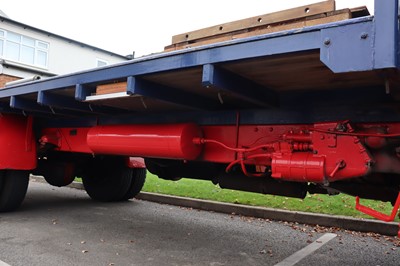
point(107, 179)
point(13, 187)
point(2, 178)
point(138, 178)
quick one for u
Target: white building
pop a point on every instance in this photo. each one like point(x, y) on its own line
point(27, 51)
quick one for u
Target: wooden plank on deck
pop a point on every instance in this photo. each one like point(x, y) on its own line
point(266, 19)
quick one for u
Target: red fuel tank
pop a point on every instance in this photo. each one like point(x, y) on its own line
point(156, 141)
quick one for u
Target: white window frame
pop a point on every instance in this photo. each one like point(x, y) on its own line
point(4, 41)
point(37, 46)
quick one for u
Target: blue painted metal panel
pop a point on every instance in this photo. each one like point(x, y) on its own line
point(349, 48)
point(364, 46)
point(248, 90)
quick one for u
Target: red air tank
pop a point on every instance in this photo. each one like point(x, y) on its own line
point(156, 141)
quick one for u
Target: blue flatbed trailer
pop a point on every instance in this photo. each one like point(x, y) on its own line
point(304, 110)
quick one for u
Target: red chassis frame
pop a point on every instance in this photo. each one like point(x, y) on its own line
point(312, 153)
point(320, 153)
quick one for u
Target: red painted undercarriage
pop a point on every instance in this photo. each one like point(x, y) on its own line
point(318, 153)
point(360, 159)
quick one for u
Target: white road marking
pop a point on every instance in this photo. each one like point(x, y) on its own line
point(2, 263)
point(304, 252)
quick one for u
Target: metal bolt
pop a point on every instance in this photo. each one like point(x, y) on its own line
point(327, 41)
point(364, 35)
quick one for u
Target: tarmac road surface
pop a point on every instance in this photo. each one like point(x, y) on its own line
point(62, 226)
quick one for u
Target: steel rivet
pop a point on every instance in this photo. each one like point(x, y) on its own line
point(327, 41)
point(364, 35)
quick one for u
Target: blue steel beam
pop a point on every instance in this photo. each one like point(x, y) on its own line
point(248, 90)
point(303, 115)
point(386, 34)
point(355, 113)
point(57, 101)
point(82, 91)
point(27, 105)
point(139, 86)
point(17, 102)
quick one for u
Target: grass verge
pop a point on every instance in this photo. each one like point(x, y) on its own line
point(337, 205)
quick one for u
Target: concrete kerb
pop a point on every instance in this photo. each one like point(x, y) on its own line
point(347, 223)
point(362, 225)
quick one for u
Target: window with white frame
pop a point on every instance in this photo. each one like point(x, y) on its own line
point(23, 49)
point(101, 62)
